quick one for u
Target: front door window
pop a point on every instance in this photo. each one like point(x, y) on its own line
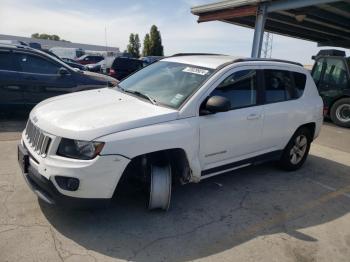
point(239, 88)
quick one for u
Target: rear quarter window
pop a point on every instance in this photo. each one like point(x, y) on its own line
point(300, 82)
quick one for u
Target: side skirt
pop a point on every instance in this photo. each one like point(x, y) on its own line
point(271, 156)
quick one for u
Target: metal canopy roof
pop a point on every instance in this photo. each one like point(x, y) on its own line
point(326, 22)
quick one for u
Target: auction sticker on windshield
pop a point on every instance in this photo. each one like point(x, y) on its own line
point(176, 99)
point(195, 70)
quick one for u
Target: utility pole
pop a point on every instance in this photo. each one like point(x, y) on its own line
point(260, 20)
point(267, 46)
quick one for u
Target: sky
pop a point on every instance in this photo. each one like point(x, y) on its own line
point(85, 21)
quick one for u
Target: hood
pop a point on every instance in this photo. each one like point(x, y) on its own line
point(90, 114)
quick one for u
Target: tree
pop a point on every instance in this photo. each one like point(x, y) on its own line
point(130, 47)
point(134, 45)
point(48, 37)
point(156, 47)
point(55, 37)
point(137, 46)
point(36, 35)
point(146, 46)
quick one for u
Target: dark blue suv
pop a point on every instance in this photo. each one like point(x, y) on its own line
point(28, 76)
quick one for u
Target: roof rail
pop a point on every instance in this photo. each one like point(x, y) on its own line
point(14, 46)
point(267, 60)
point(329, 52)
point(189, 54)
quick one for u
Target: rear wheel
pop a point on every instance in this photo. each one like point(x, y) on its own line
point(340, 112)
point(296, 151)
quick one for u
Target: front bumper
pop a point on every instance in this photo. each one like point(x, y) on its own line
point(98, 178)
point(47, 191)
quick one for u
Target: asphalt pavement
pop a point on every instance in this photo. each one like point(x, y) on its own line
point(254, 214)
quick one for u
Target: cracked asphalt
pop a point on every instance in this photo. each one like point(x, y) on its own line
point(254, 214)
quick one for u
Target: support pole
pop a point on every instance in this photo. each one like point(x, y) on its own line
point(261, 14)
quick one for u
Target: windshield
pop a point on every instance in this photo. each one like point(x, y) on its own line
point(167, 83)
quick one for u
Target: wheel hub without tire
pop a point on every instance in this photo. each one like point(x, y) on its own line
point(298, 150)
point(160, 189)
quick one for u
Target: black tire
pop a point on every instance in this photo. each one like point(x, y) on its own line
point(340, 111)
point(287, 161)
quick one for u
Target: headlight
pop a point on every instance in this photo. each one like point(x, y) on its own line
point(79, 149)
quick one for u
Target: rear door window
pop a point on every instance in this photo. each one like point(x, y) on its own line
point(34, 64)
point(127, 64)
point(98, 58)
point(283, 85)
point(137, 64)
point(119, 63)
point(278, 86)
point(7, 62)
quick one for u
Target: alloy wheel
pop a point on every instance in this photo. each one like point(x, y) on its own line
point(297, 152)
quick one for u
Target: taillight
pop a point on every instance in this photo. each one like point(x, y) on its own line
point(325, 111)
point(111, 71)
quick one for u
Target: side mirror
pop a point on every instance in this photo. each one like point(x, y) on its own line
point(63, 71)
point(216, 104)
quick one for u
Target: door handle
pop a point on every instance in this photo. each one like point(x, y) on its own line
point(12, 87)
point(30, 78)
point(253, 116)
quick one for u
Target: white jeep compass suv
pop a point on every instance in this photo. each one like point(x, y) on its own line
point(184, 118)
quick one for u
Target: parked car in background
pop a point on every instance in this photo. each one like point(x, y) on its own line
point(35, 45)
point(93, 67)
point(331, 73)
point(68, 61)
point(106, 64)
point(73, 64)
point(28, 76)
point(179, 120)
point(101, 67)
point(89, 59)
point(147, 60)
point(122, 67)
point(68, 52)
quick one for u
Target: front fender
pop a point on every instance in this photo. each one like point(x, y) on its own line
point(183, 134)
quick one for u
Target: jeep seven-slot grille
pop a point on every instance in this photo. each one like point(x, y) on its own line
point(37, 139)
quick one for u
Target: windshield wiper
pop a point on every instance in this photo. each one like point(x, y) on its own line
point(149, 98)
